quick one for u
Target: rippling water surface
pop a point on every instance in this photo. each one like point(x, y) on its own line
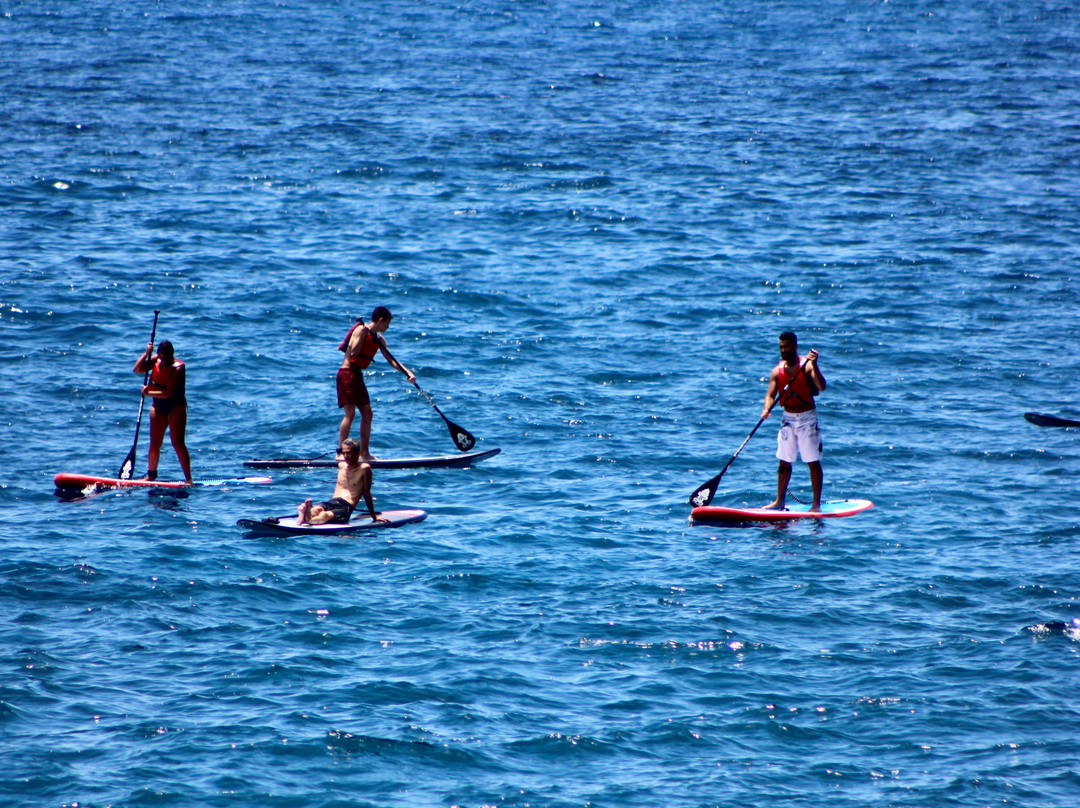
point(591, 224)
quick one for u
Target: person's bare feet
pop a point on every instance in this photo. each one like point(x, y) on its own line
point(775, 505)
point(303, 513)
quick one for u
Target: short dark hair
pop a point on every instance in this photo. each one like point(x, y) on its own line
point(349, 445)
point(381, 313)
point(166, 346)
point(789, 336)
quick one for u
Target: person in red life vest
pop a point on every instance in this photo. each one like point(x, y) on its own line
point(360, 345)
point(169, 409)
point(799, 432)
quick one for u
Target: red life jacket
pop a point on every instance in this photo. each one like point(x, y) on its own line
point(802, 390)
point(369, 346)
point(162, 376)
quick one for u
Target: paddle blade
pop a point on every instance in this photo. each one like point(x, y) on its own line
point(462, 439)
point(128, 465)
point(704, 494)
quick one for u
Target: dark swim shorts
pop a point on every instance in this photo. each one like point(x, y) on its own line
point(351, 388)
point(341, 509)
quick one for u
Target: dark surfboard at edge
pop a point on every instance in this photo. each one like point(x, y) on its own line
point(437, 461)
point(1041, 419)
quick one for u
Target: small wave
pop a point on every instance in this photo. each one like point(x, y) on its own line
point(557, 745)
point(417, 750)
point(365, 171)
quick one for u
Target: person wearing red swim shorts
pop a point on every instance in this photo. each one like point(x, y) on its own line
point(360, 345)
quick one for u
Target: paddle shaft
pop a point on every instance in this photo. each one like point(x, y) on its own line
point(129, 462)
point(704, 494)
point(461, 437)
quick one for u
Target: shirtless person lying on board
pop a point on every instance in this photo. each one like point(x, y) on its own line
point(353, 482)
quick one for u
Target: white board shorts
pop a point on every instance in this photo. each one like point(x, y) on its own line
point(800, 436)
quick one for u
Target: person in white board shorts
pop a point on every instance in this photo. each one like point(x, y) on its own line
point(799, 434)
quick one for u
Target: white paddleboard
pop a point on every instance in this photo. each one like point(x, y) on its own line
point(286, 525)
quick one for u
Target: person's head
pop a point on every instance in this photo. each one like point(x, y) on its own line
point(350, 449)
point(381, 313)
point(165, 350)
point(789, 346)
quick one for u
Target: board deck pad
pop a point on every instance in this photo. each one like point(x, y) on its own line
point(435, 461)
point(360, 522)
point(718, 514)
point(82, 481)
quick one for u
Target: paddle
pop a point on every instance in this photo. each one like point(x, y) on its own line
point(1049, 420)
point(704, 493)
point(462, 439)
point(129, 461)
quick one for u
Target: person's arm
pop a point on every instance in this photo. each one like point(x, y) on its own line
point(371, 508)
point(365, 481)
point(394, 363)
point(770, 394)
point(144, 362)
point(356, 339)
point(814, 372)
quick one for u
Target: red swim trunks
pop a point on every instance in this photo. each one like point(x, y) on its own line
point(351, 388)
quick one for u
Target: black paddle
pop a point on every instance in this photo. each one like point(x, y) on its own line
point(1049, 420)
point(462, 439)
point(129, 461)
point(704, 493)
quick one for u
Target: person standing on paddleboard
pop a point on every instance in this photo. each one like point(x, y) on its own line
point(166, 387)
point(360, 345)
point(353, 482)
point(799, 433)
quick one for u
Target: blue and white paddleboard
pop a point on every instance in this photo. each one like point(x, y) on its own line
point(286, 525)
point(437, 461)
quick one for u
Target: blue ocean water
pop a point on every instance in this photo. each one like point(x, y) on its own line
point(591, 223)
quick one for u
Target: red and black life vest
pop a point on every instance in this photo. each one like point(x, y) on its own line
point(369, 346)
point(802, 389)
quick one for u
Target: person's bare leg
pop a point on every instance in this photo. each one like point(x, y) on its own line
point(346, 424)
point(303, 513)
point(783, 477)
point(320, 516)
point(365, 432)
point(816, 479)
point(177, 428)
point(157, 437)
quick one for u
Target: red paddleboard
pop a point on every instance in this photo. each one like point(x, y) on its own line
point(718, 515)
point(83, 481)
